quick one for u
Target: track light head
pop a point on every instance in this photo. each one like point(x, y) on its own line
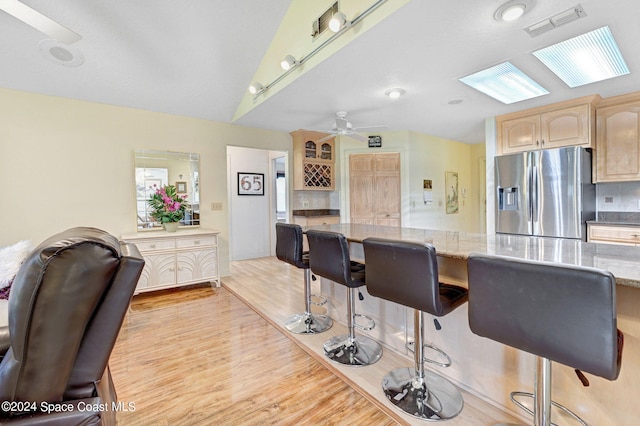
point(338, 21)
point(288, 62)
point(255, 88)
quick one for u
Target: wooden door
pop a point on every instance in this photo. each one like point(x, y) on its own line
point(361, 188)
point(374, 189)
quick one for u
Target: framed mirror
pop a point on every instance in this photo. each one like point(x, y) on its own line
point(154, 169)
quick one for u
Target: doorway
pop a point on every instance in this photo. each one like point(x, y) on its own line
point(252, 216)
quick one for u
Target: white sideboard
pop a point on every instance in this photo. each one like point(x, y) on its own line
point(174, 259)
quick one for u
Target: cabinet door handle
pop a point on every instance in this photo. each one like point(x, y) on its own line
point(542, 141)
point(196, 242)
point(152, 246)
point(635, 235)
point(537, 142)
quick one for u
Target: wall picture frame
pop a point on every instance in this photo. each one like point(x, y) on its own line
point(250, 183)
point(451, 190)
point(181, 187)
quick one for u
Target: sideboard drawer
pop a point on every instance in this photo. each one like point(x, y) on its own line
point(205, 240)
point(156, 244)
point(614, 234)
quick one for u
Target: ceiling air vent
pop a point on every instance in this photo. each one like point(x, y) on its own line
point(322, 23)
point(555, 21)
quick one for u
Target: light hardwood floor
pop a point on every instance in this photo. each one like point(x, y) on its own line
point(201, 356)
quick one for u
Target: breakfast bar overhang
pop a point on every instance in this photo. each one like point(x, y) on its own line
point(491, 370)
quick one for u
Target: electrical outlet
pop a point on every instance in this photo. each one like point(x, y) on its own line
point(638, 204)
point(216, 206)
point(305, 204)
point(608, 199)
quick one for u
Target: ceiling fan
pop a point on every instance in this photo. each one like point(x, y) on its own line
point(39, 21)
point(344, 127)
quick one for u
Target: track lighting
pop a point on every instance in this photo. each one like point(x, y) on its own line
point(255, 88)
point(338, 21)
point(288, 62)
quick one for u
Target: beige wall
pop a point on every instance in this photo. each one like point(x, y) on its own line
point(424, 157)
point(67, 163)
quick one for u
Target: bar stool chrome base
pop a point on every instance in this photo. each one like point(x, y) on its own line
point(520, 404)
point(308, 323)
point(435, 399)
point(359, 352)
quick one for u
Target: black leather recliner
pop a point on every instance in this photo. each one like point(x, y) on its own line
point(66, 307)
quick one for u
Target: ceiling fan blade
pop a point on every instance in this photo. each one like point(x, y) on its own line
point(380, 126)
point(325, 138)
point(39, 21)
point(358, 137)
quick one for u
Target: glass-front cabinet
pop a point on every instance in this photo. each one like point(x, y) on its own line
point(313, 160)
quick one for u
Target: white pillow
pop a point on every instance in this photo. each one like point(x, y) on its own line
point(11, 257)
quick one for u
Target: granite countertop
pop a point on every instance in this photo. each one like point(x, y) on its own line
point(622, 261)
point(316, 212)
point(617, 218)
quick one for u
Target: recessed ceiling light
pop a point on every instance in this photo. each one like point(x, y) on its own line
point(585, 59)
point(395, 93)
point(61, 54)
point(505, 83)
point(512, 10)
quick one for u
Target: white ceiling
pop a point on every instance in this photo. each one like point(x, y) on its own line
point(196, 58)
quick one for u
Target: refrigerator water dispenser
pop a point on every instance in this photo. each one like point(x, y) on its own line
point(508, 198)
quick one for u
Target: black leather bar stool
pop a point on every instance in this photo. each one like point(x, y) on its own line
point(289, 249)
point(407, 273)
point(560, 313)
point(329, 257)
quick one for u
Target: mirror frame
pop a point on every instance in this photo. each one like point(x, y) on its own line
point(166, 168)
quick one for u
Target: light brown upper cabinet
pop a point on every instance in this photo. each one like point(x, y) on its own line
point(313, 161)
point(563, 124)
point(618, 139)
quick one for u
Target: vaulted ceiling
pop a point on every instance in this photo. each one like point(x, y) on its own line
point(196, 58)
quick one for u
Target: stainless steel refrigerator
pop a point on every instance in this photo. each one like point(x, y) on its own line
point(545, 193)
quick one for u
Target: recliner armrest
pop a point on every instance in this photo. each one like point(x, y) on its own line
point(5, 341)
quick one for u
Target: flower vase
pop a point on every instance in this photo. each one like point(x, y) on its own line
point(171, 226)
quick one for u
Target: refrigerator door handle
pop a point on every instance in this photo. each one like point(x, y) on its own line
point(535, 198)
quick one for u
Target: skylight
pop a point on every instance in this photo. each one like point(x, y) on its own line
point(585, 59)
point(505, 83)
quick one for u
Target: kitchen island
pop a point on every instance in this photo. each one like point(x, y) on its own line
point(489, 369)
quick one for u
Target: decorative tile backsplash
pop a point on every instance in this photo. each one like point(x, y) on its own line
point(618, 197)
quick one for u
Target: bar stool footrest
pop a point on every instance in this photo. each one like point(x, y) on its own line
point(513, 395)
point(368, 327)
point(322, 300)
point(308, 323)
point(447, 363)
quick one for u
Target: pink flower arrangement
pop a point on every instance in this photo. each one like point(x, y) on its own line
point(166, 205)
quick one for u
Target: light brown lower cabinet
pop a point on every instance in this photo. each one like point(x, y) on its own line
point(614, 234)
